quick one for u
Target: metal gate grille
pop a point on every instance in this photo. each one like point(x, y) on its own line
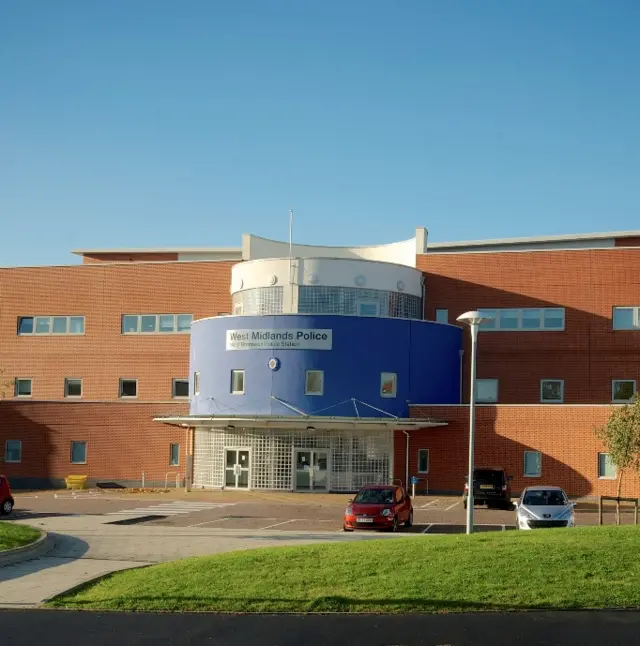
point(357, 458)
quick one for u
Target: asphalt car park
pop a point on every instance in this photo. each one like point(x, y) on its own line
point(265, 511)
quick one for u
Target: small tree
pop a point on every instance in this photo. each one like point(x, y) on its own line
point(6, 385)
point(621, 437)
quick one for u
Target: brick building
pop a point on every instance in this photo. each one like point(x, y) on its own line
point(99, 379)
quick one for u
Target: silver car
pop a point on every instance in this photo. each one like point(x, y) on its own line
point(540, 507)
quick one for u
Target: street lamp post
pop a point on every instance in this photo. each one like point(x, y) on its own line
point(473, 319)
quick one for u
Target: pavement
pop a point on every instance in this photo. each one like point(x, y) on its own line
point(60, 628)
point(100, 532)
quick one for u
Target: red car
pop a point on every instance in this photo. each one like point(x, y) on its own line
point(6, 499)
point(379, 507)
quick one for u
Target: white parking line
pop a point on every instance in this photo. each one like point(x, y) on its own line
point(207, 522)
point(284, 522)
point(427, 528)
point(455, 504)
point(433, 502)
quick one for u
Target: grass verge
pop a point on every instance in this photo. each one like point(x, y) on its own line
point(577, 568)
point(12, 536)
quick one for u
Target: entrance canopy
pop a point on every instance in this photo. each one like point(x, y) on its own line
point(307, 422)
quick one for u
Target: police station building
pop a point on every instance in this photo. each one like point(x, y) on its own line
point(302, 387)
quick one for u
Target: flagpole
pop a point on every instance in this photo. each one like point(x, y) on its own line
point(291, 254)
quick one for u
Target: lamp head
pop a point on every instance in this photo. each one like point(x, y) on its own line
point(473, 318)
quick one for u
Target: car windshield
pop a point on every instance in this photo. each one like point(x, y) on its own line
point(375, 496)
point(544, 497)
point(488, 475)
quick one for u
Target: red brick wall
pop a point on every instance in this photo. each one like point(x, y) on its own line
point(128, 257)
point(587, 355)
point(122, 440)
point(103, 293)
point(563, 434)
point(628, 242)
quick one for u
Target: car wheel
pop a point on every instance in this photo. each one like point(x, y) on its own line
point(409, 520)
point(7, 507)
point(346, 529)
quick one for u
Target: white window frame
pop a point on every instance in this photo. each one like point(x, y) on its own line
point(173, 388)
point(68, 318)
point(306, 383)
point(6, 452)
point(615, 469)
point(375, 304)
point(418, 464)
point(524, 465)
point(196, 382)
point(446, 316)
point(386, 376)
point(15, 387)
point(635, 325)
point(171, 462)
point(234, 372)
point(551, 401)
point(494, 315)
point(613, 391)
point(488, 401)
point(122, 380)
point(156, 330)
point(66, 387)
point(71, 460)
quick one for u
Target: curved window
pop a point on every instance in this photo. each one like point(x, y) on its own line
point(358, 302)
point(258, 301)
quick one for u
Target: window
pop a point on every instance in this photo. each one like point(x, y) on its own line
point(237, 382)
point(180, 387)
point(13, 451)
point(72, 387)
point(174, 455)
point(606, 468)
point(487, 390)
point(423, 460)
point(156, 323)
point(237, 308)
point(23, 387)
point(532, 464)
point(442, 316)
point(531, 318)
point(622, 390)
point(552, 391)
point(626, 318)
point(196, 383)
point(128, 388)
point(50, 325)
point(314, 382)
point(368, 308)
point(388, 384)
point(78, 452)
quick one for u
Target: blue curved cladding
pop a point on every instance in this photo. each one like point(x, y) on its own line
point(424, 355)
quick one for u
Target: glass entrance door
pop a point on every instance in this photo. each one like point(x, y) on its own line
point(237, 468)
point(310, 470)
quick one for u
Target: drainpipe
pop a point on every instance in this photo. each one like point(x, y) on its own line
point(406, 462)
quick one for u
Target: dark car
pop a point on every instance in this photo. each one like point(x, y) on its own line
point(379, 507)
point(6, 499)
point(491, 487)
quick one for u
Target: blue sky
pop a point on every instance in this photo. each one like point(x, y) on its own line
point(143, 123)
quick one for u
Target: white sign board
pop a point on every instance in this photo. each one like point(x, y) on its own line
point(288, 339)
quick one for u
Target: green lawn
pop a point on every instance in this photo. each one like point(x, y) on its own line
point(577, 568)
point(16, 535)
